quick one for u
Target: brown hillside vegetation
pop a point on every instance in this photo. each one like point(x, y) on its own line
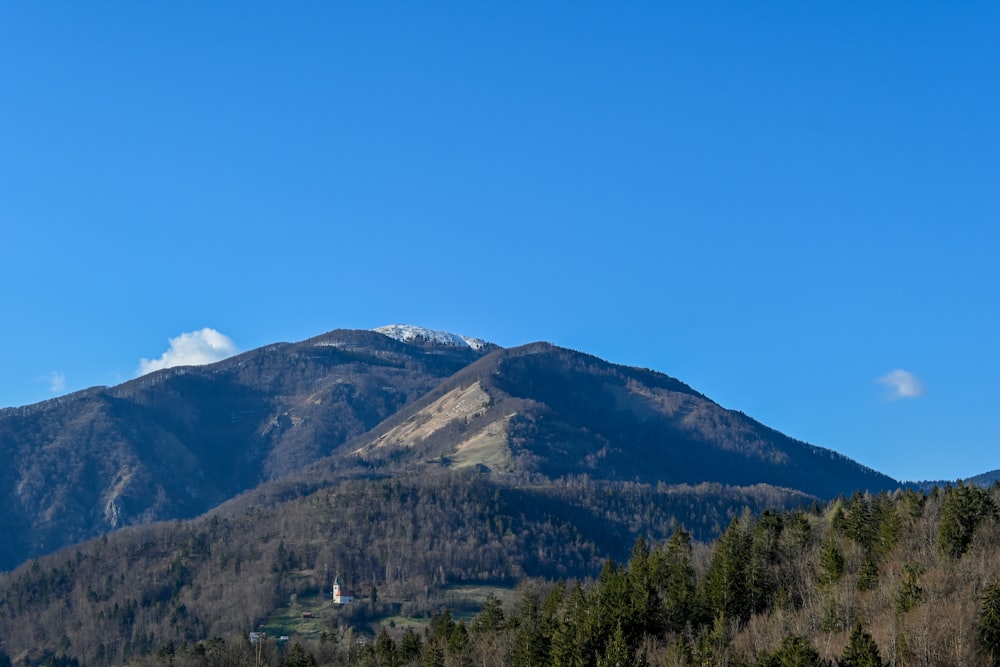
point(179, 442)
point(175, 443)
point(907, 578)
point(133, 591)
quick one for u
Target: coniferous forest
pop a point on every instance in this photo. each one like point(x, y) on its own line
point(907, 578)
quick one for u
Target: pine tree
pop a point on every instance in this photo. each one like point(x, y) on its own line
point(889, 523)
point(432, 655)
point(989, 623)
point(963, 509)
point(794, 651)
point(831, 562)
point(618, 653)
point(868, 573)
point(861, 650)
point(761, 584)
point(677, 580)
point(441, 627)
point(726, 586)
point(386, 654)
point(614, 602)
point(551, 608)
point(530, 644)
point(576, 637)
point(646, 613)
point(910, 593)
point(490, 618)
point(409, 645)
point(458, 641)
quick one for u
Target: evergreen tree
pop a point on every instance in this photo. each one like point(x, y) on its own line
point(576, 638)
point(712, 643)
point(831, 562)
point(297, 657)
point(386, 654)
point(432, 655)
point(677, 580)
point(646, 613)
point(794, 651)
point(530, 644)
point(989, 623)
point(490, 618)
point(909, 593)
point(551, 608)
point(618, 653)
point(726, 586)
point(409, 645)
point(441, 627)
point(888, 524)
point(458, 641)
point(963, 509)
point(861, 650)
point(761, 583)
point(615, 602)
point(565, 648)
point(868, 573)
point(859, 523)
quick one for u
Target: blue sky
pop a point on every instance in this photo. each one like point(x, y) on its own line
point(793, 207)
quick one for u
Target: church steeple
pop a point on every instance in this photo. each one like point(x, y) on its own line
point(339, 597)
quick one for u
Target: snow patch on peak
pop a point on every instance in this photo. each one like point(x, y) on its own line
point(408, 333)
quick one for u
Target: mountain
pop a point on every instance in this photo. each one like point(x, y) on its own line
point(408, 333)
point(985, 479)
point(272, 553)
point(202, 501)
point(178, 442)
point(554, 412)
point(349, 404)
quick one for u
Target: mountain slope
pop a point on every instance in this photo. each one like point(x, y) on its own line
point(177, 442)
point(406, 462)
point(411, 536)
point(550, 411)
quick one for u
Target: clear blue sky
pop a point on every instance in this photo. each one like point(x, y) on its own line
point(778, 203)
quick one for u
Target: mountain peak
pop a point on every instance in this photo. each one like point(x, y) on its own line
point(408, 333)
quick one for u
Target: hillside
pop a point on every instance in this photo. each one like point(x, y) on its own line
point(406, 462)
point(553, 412)
point(411, 537)
point(178, 442)
point(910, 568)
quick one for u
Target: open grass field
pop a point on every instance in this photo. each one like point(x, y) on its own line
point(307, 616)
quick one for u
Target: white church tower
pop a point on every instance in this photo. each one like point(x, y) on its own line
point(339, 597)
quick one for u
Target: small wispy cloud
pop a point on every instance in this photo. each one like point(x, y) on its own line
point(902, 384)
point(57, 382)
point(192, 349)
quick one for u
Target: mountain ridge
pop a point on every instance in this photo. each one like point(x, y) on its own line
point(178, 442)
point(197, 501)
point(541, 391)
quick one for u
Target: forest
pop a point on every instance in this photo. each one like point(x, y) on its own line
point(904, 578)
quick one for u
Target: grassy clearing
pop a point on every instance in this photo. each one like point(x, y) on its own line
point(307, 616)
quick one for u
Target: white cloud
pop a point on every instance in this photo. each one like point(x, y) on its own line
point(57, 382)
point(902, 384)
point(192, 349)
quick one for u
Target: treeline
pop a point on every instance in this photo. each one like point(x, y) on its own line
point(901, 579)
point(177, 442)
point(132, 592)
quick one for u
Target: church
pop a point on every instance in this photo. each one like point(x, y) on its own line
point(339, 597)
